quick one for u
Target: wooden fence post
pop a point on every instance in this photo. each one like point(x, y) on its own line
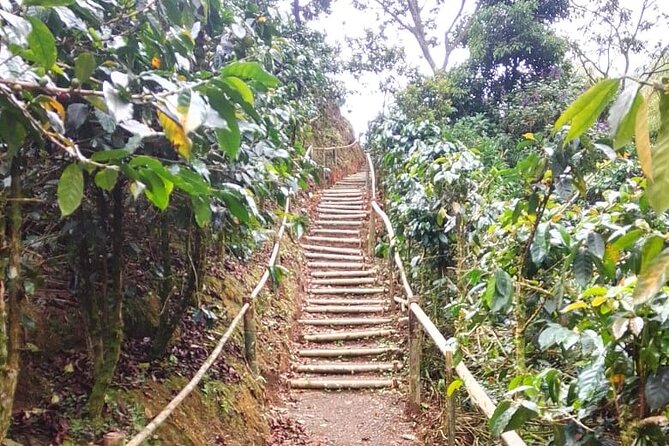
point(414, 359)
point(391, 269)
point(250, 336)
point(449, 413)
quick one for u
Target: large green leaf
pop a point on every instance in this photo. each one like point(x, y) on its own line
point(585, 110)
point(235, 206)
point(622, 116)
point(657, 389)
point(158, 189)
point(658, 187)
point(229, 139)
point(42, 44)
point(251, 71)
point(84, 65)
point(582, 267)
point(70, 189)
point(651, 280)
point(501, 417)
point(202, 210)
point(47, 3)
point(106, 179)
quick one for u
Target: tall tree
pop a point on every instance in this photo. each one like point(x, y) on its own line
point(420, 21)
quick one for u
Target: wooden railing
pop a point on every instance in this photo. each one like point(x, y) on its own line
point(417, 319)
point(334, 157)
point(246, 314)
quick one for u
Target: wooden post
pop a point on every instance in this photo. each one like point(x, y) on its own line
point(449, 412)
point(250, 336)
point(391, 269)
point(414, 359)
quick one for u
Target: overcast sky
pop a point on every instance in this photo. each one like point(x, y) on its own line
point(365, 100)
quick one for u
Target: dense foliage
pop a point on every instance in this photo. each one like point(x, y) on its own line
point(135, 137)
point(538, 239)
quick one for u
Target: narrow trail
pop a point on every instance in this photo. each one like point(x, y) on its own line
point(346, 380)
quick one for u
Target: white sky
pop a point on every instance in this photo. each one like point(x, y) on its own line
point(365, 101)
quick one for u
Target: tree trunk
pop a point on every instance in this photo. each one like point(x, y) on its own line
point(171, 314)
point(10, 328)
point(296, 12)
point(419, 33)
point(112, 305)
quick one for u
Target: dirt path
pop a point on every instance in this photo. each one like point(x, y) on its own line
point(347, 338)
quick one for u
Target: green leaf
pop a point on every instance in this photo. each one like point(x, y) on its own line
point(657, 389)
point(454, 386)
point(42, 44)
point(582, 267)
point(47, 3)
point(628, 240)
point(651, 280)
point(70, 189)
point(202, 210)
point(251, 70)
point(650, 250)
point(84, 66)
point(557, 334)
point(659, 185)
point(642, 139)
point(110, 155)
point(239, 86)
point(229, 139)
point(12, 132)
point(106, 179)
point(501, 417)
point(596, 245)
point(526, 411)
point(585, 110)
point(235, 206)
point(158, 189)
point(539, 247)
point(622, 115)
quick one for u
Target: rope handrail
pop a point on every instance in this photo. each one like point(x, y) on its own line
point(150, 428)
point(447, 347)
point(347, 146)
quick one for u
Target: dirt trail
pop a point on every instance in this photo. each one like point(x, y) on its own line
point(346, 386)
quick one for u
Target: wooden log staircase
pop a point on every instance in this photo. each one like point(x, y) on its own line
point(348, 338)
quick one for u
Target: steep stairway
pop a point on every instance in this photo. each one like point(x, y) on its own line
point(348, 339)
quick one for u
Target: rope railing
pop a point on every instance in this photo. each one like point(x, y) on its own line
point(245, 313)
point(417, 317)
point(329, 157)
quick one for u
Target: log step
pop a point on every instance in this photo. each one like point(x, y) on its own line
point(323, 255)
point(345, 301)
point(340, 384)
point(346, 240)
point(341, 265)
point(329, 210)
point(338, 223)
point(341, 191)
point(330, 322)
point(345, 281)
point(343, 200)
point(336, 231)
point(368, 272)
point(354, 251)
point(350, 368)
point(347, 335)
point(349, 216)
point(343, 309)
point(344, 290)
point(346, 352)
point(343, 207)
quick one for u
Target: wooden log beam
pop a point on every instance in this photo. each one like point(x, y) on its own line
point(338, 223)
point(350, 368)
point(346, 352)
point(368, 272)
point(325, 239)
point(336, 265)
point(332, 249)
point(345, 290)
point(346, 321)
point(345, 281)
point(340, 384)
point(349, 216)
point(323, 255)
point(345, 301)
point(345, 309)
point(335, 231)
point(347, 335)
